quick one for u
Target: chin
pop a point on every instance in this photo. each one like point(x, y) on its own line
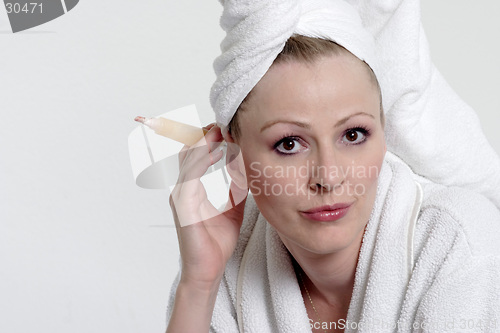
point(324, 242)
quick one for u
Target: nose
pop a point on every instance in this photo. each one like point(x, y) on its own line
point(325, 171)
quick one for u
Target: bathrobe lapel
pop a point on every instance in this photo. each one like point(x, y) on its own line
point(386, 257)
point(269, 298)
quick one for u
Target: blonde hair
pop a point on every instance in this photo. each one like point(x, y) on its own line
point(307, 50)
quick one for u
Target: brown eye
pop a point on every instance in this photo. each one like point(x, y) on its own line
point(355, 136)
point(288, 144)
point(351, 136)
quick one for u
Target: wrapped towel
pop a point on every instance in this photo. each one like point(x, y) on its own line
point(427, 124)
point(257, 32)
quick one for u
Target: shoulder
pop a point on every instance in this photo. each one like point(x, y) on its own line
point(459, 235)
point(455, 253)
point(466, 212)
point(448, 213)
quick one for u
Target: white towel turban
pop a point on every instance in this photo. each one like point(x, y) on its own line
point(427, 124)
point(257, 32)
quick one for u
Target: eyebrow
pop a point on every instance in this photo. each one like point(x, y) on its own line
point(307, 126)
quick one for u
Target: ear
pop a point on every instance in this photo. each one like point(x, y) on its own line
point(235, 165)
point(226, 135)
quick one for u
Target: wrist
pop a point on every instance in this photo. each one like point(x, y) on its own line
point(200, 286)
point(193, 307)
point(198, 296)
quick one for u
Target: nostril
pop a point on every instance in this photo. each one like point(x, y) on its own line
point(325, 186)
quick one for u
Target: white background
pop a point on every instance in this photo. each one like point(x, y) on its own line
point(82, 248)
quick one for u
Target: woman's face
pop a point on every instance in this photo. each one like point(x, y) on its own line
point(313, 145)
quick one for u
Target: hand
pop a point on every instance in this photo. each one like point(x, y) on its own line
point(207, 237)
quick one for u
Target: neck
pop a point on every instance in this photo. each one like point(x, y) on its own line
point(331, 276)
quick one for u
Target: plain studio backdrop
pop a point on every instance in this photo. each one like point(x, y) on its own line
point(82, 248)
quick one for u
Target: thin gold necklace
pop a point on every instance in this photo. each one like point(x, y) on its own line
point(309, 296)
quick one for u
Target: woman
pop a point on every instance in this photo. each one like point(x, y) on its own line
point(336, 235)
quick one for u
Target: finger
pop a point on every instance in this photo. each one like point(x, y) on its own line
point(189, 195)
point(184, 152)
point(216, 154)
point(182, 155)
point(198, 162)
point(211, 139)
point(191, 208)
point(237, 195)
point(209, 126)
point(197, 153)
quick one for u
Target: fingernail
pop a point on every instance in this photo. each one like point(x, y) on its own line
point(219, 149)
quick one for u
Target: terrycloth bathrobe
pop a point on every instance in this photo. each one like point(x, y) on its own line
point(429, 262)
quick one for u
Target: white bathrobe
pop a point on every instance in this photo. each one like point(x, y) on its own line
point(429, 262)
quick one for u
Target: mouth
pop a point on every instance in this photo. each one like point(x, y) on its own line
point(327, 213)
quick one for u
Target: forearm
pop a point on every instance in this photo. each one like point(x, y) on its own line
point(193, 308)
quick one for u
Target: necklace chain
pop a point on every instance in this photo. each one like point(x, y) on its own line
point(309, 296)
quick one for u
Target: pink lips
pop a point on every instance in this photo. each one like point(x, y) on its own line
point(328, 213)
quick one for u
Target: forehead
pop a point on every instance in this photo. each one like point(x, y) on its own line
point(332, 85)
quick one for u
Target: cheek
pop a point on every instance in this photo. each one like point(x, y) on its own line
point(365, 172)
point(270, 181)
point(274, 183)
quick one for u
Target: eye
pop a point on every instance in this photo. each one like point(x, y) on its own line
point(288, 146)
point(355, 136)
